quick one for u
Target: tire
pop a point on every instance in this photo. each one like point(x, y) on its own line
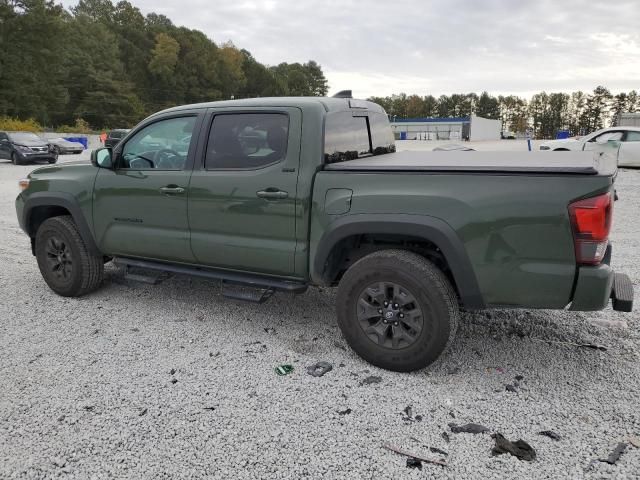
point(79, 272)
point(431, 299)
point(14, 159)
point(53, 160)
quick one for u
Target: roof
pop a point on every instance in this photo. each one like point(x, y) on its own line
point(432, 120)
point(327, 103)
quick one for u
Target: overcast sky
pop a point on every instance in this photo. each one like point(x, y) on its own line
point(384, 47)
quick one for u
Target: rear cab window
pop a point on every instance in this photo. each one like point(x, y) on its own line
point(352, 134)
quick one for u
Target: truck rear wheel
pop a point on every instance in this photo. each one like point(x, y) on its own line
point(64, 260)
point(397, 310)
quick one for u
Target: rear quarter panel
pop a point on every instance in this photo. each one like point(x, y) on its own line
point(515, 228)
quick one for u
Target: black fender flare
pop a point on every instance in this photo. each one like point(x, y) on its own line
point(66, 201)
point(431, 229)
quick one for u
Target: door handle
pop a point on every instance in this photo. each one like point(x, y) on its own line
point(171, 190)
point(272, 194)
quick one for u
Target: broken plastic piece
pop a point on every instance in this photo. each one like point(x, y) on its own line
point(616, 454)
point(551, 434)
point(319, 369)
point(399, 451)
point(414, 463)
point(468, 428)
point(284, 369)
point(519, 449)
point(370, 380)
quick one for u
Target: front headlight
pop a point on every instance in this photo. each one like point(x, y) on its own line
point(24, 184)
point(544, 147)
point(22, 148)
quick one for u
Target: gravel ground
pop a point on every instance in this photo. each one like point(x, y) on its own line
point(176, 381)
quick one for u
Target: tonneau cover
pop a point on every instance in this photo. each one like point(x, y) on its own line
point(576, 163)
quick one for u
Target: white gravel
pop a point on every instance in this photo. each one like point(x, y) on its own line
point(87, 390)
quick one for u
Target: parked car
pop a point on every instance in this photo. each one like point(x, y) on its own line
point(508, 135)
point(114, 137)
point(25, 147)
point(407, 237)
point(629, 138)
point(61, 146)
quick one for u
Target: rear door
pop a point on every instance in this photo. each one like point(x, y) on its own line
point(5, 146)
point(242, 196)
point(629, 155)
point(140, 207)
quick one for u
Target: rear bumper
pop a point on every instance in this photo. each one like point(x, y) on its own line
point(597, 285)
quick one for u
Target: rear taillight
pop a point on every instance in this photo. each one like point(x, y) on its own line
point(591, 223)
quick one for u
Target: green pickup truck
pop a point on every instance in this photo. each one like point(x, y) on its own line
point(276, 194)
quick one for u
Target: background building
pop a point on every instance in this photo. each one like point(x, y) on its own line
point(629, 120)
point(453, 128)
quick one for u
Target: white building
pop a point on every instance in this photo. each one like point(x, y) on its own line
point(452, 129)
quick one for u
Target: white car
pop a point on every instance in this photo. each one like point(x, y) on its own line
point(629, 138)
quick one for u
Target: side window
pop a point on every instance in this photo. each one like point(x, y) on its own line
point(163, 145)
point(247, 141)
point(382, 139)
point(632, 137)
point(345, 137)
point(606, 136)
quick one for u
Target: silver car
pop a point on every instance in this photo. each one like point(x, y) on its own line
point(61, 146)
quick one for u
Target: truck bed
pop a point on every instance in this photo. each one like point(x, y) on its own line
point(569, 163)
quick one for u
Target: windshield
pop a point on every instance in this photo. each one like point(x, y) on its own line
point(25, 136)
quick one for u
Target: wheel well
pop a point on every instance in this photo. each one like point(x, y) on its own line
point(351, 249)
point(41, 213)
point(560, 149)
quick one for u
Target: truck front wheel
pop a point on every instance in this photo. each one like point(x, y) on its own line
point(65, 262)
point(397, 310)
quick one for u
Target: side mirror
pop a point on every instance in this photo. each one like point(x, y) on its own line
point(101, 158)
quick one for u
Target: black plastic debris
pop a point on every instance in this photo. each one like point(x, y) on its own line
point(143, 412)
point(209, 408)
point(616, 454)
point(418, 418)
point(319, 369)
point(270, 330)
point(437, 450)
point(519, 378)
point(414, 463)
point(445, 435)
point(345, 412)
point(511, 388)
point(172, 371)
point(174, 380)
point(371, 379)
point(551, 434)
point(468, 428)
point(519, 449)
point(284, 369)
point(408, 411)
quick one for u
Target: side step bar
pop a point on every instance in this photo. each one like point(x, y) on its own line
point(228, 278)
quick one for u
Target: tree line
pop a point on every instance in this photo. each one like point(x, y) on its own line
point(110, 65)
point(545, 113)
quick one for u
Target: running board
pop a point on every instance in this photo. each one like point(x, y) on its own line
point(236, 278)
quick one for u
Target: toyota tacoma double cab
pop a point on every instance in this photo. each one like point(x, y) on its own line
point(277, 194)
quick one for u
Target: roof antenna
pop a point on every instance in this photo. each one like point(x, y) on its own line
point(343, 94)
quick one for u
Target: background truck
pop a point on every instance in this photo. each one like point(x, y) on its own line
point(283, 193)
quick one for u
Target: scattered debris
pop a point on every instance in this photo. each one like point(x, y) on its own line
point(143, 412)
point(468, 428)
point(211, 354)
point(453, 371)
point(89, 408)
point(134, 329)
point(174, 380)
point(418, 418)
point(341, 365)
point(408, 411)
point(61, 418)
point(209, 408)
point(551, 434)
point(591, 346)
point(414, 463)
point(615, 455)
point(270, 330)
point(445, 435)
point(432, 449)
point(511, 388)
point(35, 358)
point(635, 441)
point(319, 369)
point(451, 414)
point(284, 369)
point(519, 449)
point(345, 412)
point(58, 461)
point(371, 379)
point(519, 378)
point(172, 371)
point(411, 455)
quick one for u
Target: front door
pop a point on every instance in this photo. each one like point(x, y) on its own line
point(5, 146)
point(629, 155)
point(242, 196)
point(140, 207)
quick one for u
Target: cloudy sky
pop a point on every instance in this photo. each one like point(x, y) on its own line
point(384, 47)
